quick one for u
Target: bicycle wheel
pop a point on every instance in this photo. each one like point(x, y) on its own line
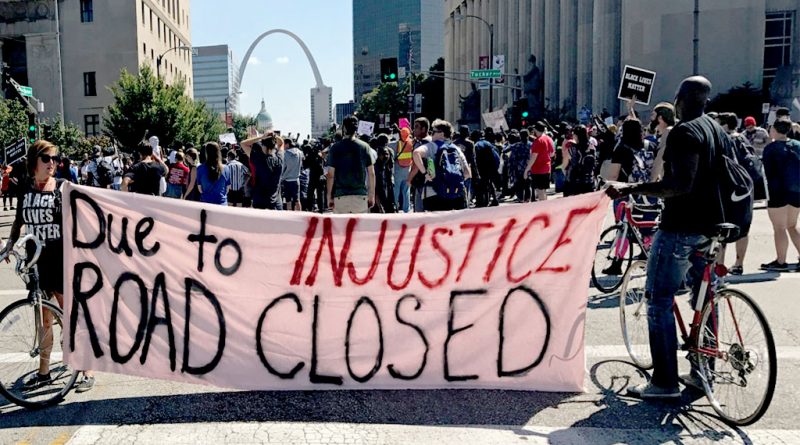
point(741, 381)
point(633, 315)
point(21, 351)
point(613, 247)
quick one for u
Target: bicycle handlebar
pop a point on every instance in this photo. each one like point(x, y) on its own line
point(15, 252)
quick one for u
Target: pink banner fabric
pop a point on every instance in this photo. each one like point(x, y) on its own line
point(264, 300)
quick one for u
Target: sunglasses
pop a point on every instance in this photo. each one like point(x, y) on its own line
point(47, 158)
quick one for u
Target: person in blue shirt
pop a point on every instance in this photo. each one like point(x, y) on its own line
point(212, 183)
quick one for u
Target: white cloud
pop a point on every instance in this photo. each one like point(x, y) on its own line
point(282, 60)
point(254, 61)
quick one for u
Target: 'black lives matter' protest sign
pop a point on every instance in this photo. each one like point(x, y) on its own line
point(14, 152)
point(255, 299)
point(636, 83)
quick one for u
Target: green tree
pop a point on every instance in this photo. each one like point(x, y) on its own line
point(145, 105)
point(66, 136)
point(13, 122)
point(240, 124)
point(388, 98)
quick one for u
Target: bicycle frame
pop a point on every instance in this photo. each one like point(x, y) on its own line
point(624, 215)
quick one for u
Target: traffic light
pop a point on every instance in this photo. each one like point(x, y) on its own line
point(32, 128)
point(389, 70)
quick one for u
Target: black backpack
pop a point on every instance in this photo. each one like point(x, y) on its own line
point(105, 172)
point(582, 167)
point(735, 188)
point(747, 158)
point(449, 180)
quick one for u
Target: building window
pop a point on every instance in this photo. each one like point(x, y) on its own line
point(87, 11)
point(151, 20)
point(89, 84)
point(144, 46)
point(91, 124)
point(777, 44)
point(142, 12)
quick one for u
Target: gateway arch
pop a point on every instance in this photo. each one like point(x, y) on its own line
point(321, 95)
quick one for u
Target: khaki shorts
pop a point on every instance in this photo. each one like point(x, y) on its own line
point(350, 204)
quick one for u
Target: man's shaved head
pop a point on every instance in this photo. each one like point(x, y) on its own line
point(692, 97)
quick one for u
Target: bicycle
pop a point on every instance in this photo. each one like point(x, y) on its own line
point(729, 364)
point(26, 341)
point(618, 244)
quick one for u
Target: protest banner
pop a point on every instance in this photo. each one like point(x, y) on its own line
point(254, 299)
point(14, 152)
point(638, 83)
point(366, 128)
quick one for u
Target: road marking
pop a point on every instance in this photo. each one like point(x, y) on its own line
point(13, 293)
point(340, 433)
point(22, 357)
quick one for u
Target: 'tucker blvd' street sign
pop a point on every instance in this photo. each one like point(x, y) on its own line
point(485, 74)
point(26, 91)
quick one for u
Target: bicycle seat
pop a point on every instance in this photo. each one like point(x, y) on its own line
point(726, 231)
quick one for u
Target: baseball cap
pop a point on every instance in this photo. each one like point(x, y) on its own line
point(749, 121)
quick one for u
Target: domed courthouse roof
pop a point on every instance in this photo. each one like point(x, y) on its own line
point(263, 119)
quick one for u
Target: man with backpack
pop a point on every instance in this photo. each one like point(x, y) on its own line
point(701, 188)
point(446, 170)
point(105, 170)
point(488, 161)
point(747, 158)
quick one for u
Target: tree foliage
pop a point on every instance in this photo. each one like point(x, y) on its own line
point(240, 124)
point(387, 98)
point(13, 122)
point(145, 105)
point(744, 100)
point(65, 135)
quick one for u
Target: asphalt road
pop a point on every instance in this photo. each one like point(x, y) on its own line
point(122, 409)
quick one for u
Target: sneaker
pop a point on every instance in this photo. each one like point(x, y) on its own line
point(775, 266)
point(648, 391)
point(736, 270)
point(38, 380)
point(692, 380)
point(84, 385)
point(614, 270)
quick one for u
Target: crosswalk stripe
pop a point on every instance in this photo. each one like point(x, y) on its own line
point(335, 433)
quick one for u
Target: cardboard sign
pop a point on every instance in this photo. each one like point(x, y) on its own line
point(499, 63)
point(229, 138)
point(14, 153)
point(496, 120)
point(255, 299)
point(638, 83)
point(366, 128)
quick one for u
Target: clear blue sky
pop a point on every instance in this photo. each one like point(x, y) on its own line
point(280, 72)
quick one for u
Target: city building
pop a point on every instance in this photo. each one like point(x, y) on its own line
point(412, 31)
point(263, 119)
point(321, 107)
point(216, 78)
point(71, 51)
point(582, 46)
point(344, 110)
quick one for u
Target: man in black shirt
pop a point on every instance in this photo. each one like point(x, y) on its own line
point(267, 167)
point(691, 212)
point(145, 175)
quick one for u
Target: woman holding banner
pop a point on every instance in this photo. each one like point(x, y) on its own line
point(39, 210)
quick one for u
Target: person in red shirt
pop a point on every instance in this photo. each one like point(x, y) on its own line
point(177, 178)
point(540, 164)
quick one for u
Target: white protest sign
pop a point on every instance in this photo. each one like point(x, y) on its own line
point(765, 108)
point(366, 128)
point(499, 63)
point(229, 138)
point(254, 299)
point(496, 120)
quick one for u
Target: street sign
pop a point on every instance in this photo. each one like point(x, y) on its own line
point(485, 74)
point(765, 108)
point(26, 91)
point(14, 152)
point(418, 103)
point(638, 83)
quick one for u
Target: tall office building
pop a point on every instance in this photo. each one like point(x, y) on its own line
point(321, 107)
point(582, 46)
point(344, 110)
point(412, 31)
point(216, 78)
point(71, 51)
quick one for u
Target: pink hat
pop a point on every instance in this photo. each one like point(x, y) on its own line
point(749, 121)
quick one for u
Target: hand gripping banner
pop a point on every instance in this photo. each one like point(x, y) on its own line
point(254, 299)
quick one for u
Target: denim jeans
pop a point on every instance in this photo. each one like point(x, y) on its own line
point(401, 190)
point(671, 257)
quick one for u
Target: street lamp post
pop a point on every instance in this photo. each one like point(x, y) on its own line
point(491, 52)
point(161, 57)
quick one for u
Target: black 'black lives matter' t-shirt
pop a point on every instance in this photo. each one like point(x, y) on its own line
point(40, 212)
